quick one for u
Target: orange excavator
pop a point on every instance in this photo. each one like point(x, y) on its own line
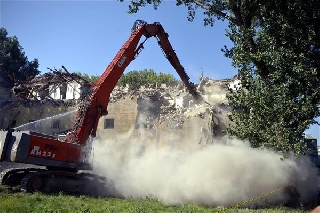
point(63, 163)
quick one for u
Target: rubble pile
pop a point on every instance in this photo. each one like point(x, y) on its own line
point(155, 105)
point(160, 105)
point(120, 93)
point(208, 85)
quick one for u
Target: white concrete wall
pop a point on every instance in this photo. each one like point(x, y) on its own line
point(70, 91)
point(179, 102)
point(77, 91)
point(54, 91)
point(73, 91)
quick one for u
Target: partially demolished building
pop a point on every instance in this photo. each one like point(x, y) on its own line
point(163, 115)
point(41, 98)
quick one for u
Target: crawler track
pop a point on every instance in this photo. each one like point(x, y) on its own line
point(13, 176)
point(51, 181)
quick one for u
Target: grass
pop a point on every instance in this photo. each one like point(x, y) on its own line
point(13, 201)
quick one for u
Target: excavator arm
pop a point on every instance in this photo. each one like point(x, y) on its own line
point(95, 104)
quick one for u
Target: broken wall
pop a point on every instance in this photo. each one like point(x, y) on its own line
point(50, 119)
point(167, 116)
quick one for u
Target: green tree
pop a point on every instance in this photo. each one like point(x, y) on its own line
point(92, 79)
point(277, 52)
point(145, 77)
point(278, 55)
point(166, 79)
point(132, 78)
point(14, 64)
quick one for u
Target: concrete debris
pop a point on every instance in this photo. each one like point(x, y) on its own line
point(173, 105)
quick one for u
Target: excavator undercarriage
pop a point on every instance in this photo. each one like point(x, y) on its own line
point(55, 181)
point(47, 174)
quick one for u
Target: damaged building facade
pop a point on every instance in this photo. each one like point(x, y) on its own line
point(162, 116)
point(167, 115)
point(39, 102)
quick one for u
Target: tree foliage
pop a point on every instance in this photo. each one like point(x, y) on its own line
point(14, 64)
point(147, 77)
point(135, 79)
point(277, 52)
point(91, 79)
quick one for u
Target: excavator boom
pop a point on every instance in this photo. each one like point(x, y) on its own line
point(95, 104)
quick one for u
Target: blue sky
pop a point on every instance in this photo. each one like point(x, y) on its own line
point(85, 36)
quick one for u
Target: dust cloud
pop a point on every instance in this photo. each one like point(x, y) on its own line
point(224, 173)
